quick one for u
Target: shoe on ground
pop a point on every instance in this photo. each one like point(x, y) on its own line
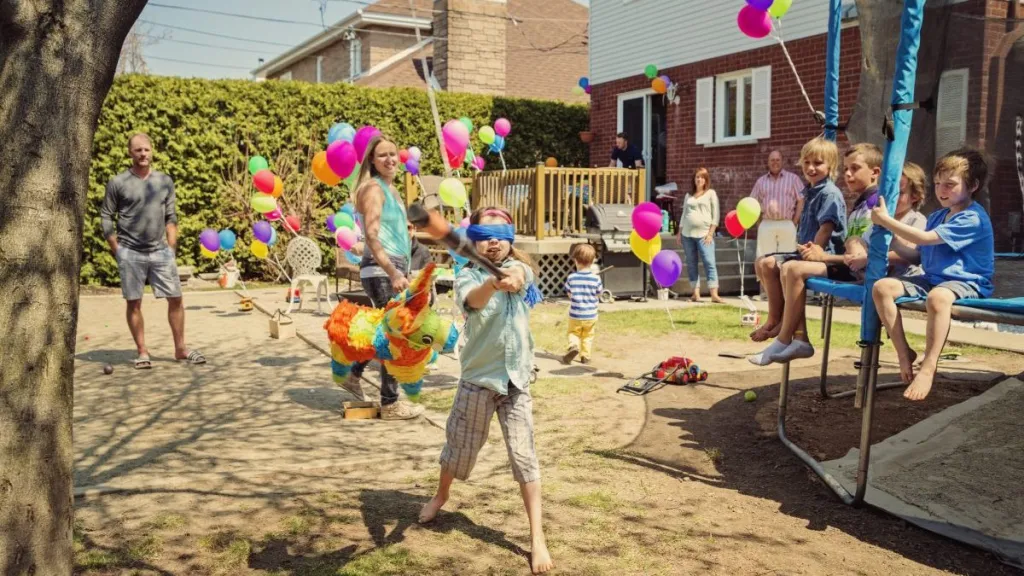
point(400, 410)
point(584, 360)
point(568, 357)
point(353, 384)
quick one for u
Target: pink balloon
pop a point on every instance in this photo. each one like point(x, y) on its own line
point(457, 132)
point(753, 22)
point(360, 142)
point(646, 221)
point(346, 238)
point(274, 214)
point(479, 163)
point(342, 158)
point(455, 147)
point(464, 223)
point(502, 127)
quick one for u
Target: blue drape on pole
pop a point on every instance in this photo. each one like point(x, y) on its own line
point(832, 68)
point(895, 154)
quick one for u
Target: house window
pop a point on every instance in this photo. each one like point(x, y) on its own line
point(319, 69)
point(951, 111)
point(286, 76)
point(735, 107)
point(355, 57)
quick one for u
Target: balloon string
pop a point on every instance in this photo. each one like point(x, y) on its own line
point(778, 36)
point(503, 167)
point(280, 267)
point(671, 322)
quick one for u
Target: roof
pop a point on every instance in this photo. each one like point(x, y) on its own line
point(393, 13)
point(547, 45)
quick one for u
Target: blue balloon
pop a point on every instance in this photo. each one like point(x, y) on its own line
point(227, 240)
point(273, 237)
point(342, 131)
point(348, 209)
point(498, 145)
point(352, 258)
point(459, 260)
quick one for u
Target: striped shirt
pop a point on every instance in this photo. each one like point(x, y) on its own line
point(584, 289)
point(778, 195)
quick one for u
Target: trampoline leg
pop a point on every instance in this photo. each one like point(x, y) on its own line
point(862, 374)
point(866, 424)
point(813, 464)
point(826, 334)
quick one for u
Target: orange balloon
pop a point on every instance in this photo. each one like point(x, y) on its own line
point(658, 85)
point(322, 171)
point(551, 162)
point(278, 187)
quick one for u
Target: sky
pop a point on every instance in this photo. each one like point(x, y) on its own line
point(184, 42)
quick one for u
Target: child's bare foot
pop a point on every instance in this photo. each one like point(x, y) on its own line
point(695, 298)
point(921, 386)
point(765, 331)
point(430, 509)
point(907, 366)
point(540, 559)
point(717, 300)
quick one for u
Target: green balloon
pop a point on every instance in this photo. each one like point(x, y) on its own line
point(651, 70)
point(779, 8)
point(257, 163)
point(343, 220)
point(467, 123)
point(350, 182)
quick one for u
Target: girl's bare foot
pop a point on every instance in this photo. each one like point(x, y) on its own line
point(921, 386)
point(765, 331)
point(907, 366)
point(430, 509)
point(540, 559)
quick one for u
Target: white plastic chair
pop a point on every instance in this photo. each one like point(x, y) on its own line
point(304, 257)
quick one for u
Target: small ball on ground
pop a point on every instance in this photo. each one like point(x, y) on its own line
point(108, 369)
point(750, 396)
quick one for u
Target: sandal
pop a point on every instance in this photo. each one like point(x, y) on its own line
point(143, 363)
point(194, 357)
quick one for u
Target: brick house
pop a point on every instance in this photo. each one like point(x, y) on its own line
point(520, 48)
point(737, 98)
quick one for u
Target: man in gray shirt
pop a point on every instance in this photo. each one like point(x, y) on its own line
point(144, 245)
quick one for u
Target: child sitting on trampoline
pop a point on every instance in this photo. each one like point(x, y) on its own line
point(957, 256)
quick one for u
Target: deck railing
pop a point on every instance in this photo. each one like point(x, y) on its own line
point(547, 201)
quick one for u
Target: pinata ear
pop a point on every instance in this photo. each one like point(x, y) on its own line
point(419, 290)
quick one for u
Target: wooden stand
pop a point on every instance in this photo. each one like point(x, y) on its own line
point(281, 326)
point(361, 410)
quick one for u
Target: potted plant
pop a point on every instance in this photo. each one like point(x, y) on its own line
point(587, 136)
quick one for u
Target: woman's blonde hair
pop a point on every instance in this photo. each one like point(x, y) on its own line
point(917, 184)
point(516, 253)
point(366, 168)
point(826, 150)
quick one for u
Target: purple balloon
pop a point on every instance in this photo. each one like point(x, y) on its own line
point(210, 239)
point(262, 231)
point(666, 80)
point(330, 224)
point(362, 140)
point(872, 200)
point(666, 267)
point(761, 4)
point(412, 166)
point(587, 89)
point(342, 158)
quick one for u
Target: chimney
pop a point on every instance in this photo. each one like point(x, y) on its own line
point(469, 55)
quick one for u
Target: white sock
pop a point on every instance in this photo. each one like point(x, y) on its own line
point(796, 349)
point(765, 357)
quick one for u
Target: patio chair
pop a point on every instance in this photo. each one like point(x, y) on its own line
point(304, 258)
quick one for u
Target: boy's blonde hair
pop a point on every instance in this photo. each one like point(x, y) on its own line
point(871, 154)
point(967, 163)
point(917, 183)
point(826, 150)
point(583, 254)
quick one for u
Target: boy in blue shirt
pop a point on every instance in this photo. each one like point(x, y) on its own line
point(584, 288)
point(956, 251)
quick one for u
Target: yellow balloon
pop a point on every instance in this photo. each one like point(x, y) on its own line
point(486, 135)
point(748, 210)
point(263, 203)
point(453, 192)
point(322, 171)
point(206, 253)
point(645, 250)
point(278, 187)
point(259, 249)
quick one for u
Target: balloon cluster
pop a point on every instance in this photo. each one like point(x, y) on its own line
point(495, 137)
point(346, 147)
point(582, 87)
point(660, 84)
point(347, 232)
point(743, 217)
point(410, 158)
point(264, 236)
point(211, 242)
point(271, 188)
point(754, 19)
point(645, 242)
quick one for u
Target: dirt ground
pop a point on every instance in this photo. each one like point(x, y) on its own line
point(685, 480)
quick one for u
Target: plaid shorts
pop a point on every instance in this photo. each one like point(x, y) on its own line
point(158, 267)
point(470, 421)
point(918, 286)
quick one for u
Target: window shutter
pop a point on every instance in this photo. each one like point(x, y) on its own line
point(705, 109)
point(951, 112)
point(761, 102)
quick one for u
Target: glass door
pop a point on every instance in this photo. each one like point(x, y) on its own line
point(642, 119)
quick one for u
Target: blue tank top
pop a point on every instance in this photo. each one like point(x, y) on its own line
point(394, 228)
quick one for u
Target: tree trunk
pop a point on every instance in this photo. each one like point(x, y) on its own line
point(57, 61)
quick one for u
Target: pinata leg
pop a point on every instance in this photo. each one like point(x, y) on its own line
point(412, 391)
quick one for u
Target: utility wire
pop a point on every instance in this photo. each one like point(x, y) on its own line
point(225, 36)
point(246, 68)
point(163, 39)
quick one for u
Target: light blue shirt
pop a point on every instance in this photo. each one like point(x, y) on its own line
point(967, 252)
point(499, 346)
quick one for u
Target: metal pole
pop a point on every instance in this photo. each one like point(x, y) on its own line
point(865, 431)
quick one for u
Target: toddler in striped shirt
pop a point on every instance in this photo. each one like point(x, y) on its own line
point(584, 287)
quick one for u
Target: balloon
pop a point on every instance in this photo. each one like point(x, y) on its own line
point(455, 160)
point(457, 258)
point(322, 171)
point(273, 215)
point(343, 220)
point(779, 8)
point(732, 224)
point(644, 249)
point(666, 79)
point(257, 163)
point(551, 162)
point(264, 181)
point(346, 238)
point(646, 219)
point(453, 192)
point(342, 158)
point(659, 86)
point(454, 145)
point(211, 254)
point(415, 153)
point(479, 163)
point(262, 231)
point(403, 155)
point(584, 82)
point(760, 4)
point(278, 187)
point(498, 145)
point(467, 123)
point(258, 249)
point(273, 237)
point(352, 258)
point(650, 71)
point(457, 131)
point(343, 131)
point(227, 240)
point(360, 141)
point(470, 156)
point(293, 223)
point(412, 166)
point(262, 203)
point(588, 89)
point(502, 127)
point(349, 209)
point(331, 226)
point(749, 211)
point(872, 201)
point(753, 22)
point(209, 239)
point(350, 182)
point(464, 223)
point(577, 90)
point(486, 135)
point(665, 267)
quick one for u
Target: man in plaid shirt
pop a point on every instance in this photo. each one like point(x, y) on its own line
point(779, 193)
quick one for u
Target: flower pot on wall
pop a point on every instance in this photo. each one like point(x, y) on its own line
point(587, 136)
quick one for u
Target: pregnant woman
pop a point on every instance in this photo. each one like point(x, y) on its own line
point(697, 233)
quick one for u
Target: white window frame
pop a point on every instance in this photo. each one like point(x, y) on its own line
point(355, 58)
point(286, 76)
point(741, 104)
point(319, 69)
point(966, 74)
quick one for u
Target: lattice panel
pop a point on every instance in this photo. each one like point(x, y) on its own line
point(554, 269)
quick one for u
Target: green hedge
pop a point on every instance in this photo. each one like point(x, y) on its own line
point(203, 132)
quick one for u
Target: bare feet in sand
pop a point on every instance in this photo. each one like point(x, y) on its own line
point(921, 386)
point(540, 559)
point(430, 509)
point(765, 331)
